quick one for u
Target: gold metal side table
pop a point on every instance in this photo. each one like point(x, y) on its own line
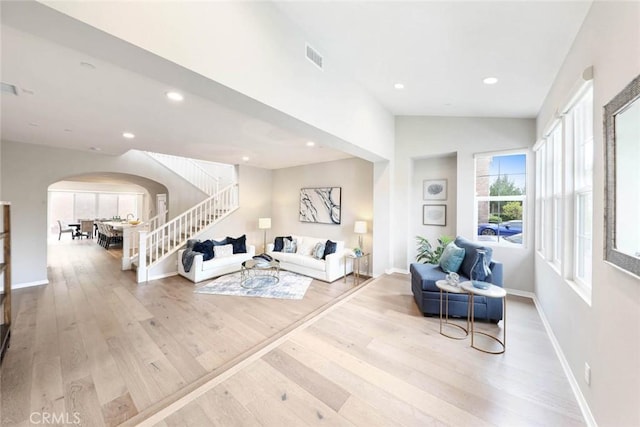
point(492, 291)
point(357, 271)
point(446, 288)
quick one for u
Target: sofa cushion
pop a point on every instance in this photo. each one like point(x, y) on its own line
point(329, 248)
point(305, 246)
point(470, 254)
point(318, 250)
point(290, 246)
point(451, 258)
point(205, 248)
point(311, 262)
point(278, 243)
point(427, 275)
point(224, 261)
point(223, 251)
point(239, 244)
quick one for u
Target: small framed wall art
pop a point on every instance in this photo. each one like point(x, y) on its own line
point(434, 189)
point(434, 215)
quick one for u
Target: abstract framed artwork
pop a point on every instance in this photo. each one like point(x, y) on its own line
point(434, 215)
point(321, 205)
point(434, 189)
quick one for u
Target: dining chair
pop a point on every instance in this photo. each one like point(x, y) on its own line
point(86, 229)
point(64, 228)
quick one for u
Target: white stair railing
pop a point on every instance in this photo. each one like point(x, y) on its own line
point(156, 245)
point(189, 170)
point(130, 244)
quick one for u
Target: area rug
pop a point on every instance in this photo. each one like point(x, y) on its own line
point(290, 286)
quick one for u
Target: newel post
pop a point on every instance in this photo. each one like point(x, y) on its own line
point(142, 256)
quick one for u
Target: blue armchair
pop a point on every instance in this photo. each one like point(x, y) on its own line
point(427, 294)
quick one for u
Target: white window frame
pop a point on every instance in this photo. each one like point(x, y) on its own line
point(581, 116)
point(521, 198)
point(561, 194)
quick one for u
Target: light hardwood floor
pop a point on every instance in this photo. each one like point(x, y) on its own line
point(94, 343)
point(373, 360)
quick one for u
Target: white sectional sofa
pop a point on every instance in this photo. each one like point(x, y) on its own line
point(203, 270)
point(302, 262)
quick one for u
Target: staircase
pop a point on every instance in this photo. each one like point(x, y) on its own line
point(157, 245)
point(190, 170)
point(160, 241)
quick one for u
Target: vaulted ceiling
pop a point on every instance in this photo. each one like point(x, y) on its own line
point(74, 98)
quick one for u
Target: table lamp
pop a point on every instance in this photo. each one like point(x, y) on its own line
point(360, 228)
point(264, 224)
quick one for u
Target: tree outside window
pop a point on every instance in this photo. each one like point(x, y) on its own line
point(500, 197)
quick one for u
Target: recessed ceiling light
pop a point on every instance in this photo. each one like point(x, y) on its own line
point(245, 158)
point(35, 125)
point(310, 143)
point(399, 86)
point(87, 65)
point(490, 80)
point(175, 96)
point(68, 130)
point(95, 149)
point(28, 91)
point(128, 135)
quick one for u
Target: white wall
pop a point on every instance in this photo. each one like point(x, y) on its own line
point(432, 168)
point(420, 137)
point(255, 202)
point(355, 176)
point(27, 172)
point(605, 334)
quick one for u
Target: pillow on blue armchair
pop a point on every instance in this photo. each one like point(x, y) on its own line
point(471, 253)
point(451, 258)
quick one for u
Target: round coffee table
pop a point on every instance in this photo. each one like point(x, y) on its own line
point(447, 288)
point(492, 291)
point(259, 273)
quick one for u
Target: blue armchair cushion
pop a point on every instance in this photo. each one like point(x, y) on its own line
point(451, 258)
point(470, 254)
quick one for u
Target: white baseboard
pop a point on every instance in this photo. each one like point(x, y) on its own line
point(29, 284)
point(162, 276)
point(520, 293)
point(582, 402)
point(396, 270)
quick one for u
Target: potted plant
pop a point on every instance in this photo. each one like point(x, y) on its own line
point(427, 254)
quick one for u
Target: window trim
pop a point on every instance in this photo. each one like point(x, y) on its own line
point(524, 198)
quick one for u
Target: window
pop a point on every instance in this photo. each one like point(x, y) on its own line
point(582, 117)
point(557, 207)
point(71, 206)
point(500, 197)
point(564, 197)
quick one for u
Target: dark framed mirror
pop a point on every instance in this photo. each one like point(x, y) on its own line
point(622, 185)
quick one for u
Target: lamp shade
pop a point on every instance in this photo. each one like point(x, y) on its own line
point(360, 227)
point(264, 223)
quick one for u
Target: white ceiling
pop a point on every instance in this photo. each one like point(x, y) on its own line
point(439, 50)
point(442, 50)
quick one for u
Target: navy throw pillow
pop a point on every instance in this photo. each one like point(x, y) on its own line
point(278, 243)
point(205, 248)
point(329, 248)
point(239, 244)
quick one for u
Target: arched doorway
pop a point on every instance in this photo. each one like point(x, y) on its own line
point(103, 195)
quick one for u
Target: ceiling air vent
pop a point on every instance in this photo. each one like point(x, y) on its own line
point(7, 88)
point(314, 56)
